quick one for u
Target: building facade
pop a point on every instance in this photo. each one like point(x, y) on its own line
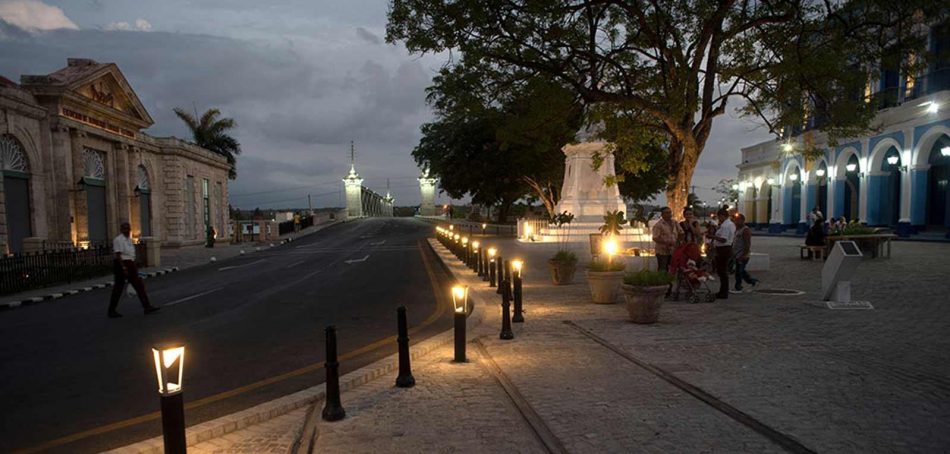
point(896, 176)
point(76, 163)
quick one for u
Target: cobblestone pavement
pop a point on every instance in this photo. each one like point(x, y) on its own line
point(744, 375)
point(273, 436)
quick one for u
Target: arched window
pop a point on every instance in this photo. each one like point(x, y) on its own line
point(94, 179)
point(16, 192)
point(143, 190)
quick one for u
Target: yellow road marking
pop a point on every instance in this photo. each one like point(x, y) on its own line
point(440, 306)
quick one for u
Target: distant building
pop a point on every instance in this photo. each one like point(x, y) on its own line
point(897, 176)
point(74, 164)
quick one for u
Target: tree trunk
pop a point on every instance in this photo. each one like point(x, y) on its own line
point(546, 196)
point(677, 192)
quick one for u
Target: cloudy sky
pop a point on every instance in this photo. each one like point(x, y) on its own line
point(301, 77)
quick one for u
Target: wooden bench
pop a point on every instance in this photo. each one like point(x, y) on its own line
point(814, 252)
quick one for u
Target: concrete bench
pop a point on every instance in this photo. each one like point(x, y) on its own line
point(814, 252)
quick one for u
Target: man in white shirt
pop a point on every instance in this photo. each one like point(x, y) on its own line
point(125, 269)
point(723, 239)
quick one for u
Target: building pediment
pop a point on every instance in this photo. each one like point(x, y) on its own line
point(101, 86)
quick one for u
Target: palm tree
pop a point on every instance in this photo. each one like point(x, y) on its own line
point(211, 133)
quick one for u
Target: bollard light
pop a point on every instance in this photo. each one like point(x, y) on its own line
point(529, 232)
point(473, 260)
point(517, 267)
point(491, 266)
point(170, 371)
point(484, 226)
point(451, 227)
point(460, 302)
point(610, 248)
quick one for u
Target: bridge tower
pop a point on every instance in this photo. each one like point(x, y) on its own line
point(427, 187)
point(388, 202)
point(353, 185)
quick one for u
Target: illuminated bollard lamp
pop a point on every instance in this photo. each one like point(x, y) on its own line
point(491, 266)
point(506, 333)
point(460, 301)
point(499, 274)
point(332, 410)
point(516, 280)
point(405, 378)
point(169, 370)
point(465, 250)
point(474, 260)
point(479, 259)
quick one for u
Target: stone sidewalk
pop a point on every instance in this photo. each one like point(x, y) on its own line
point(755, 373)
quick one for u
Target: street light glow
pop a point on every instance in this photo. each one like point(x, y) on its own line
point(516, 265)
point(793, 177)
point(820, 172)
point(610, 246)
point(459, 297)
point(893, 159)
point(770, 181)
point(851, 167)
point(945, 151)
point(491, 252)
point(169, 368)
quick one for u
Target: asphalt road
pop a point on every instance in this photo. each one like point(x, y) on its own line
point(76, 381)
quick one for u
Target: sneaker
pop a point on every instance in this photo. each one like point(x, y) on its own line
point(736, 292)
point(151, 310)
point(114, 315)
point(751, 287)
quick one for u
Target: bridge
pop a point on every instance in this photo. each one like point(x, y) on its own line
point(362, 201)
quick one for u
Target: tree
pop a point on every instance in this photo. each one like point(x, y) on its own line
point(211, 133)
point(728, 188)
point(670, 68)
point(497, 147)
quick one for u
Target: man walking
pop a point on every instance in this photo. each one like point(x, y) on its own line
point(665, 235)
point(741, 248)
point(125, 270)
point(723, 239)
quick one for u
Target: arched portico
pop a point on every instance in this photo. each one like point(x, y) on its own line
point(847, 184)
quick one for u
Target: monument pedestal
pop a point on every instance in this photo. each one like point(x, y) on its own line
point(584, 192)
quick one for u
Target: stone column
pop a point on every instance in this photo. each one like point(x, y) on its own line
point(427, 192)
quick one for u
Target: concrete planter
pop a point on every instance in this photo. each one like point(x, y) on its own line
point(562, 273)
point(643, 303)
point(604, 286)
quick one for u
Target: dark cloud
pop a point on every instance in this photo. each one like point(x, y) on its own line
point(297, 108)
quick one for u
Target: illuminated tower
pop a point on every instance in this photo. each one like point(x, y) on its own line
point(354, 188)
point(427, 187)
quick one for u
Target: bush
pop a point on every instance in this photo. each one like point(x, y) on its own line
point(647, 278)
point(565, 257)
point(601, 266)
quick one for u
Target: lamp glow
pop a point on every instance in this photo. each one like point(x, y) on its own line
point(945, 151)
point(528, 231)
point(457, 237)
point(464, 240)
point(169, 368)
point(452, 227)
point(770, 181)
point(484, 226)
point(893, 159)
point(475, 244)
point(933, 107)
point(610, 247)
point(787, 147)
point(851, 167)
point(793, 177)
point(460, 297)
point(820, 172)
point(735, 187)
point(491, 252)
point(517, 265)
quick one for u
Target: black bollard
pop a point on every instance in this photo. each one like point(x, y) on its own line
point(506, 333)
point(491, 272)
point(508, 270)
point(173, 423)
point(479, 262)
point(460, 336)
point(519, 315)
point(405, 378)
point(499, 271)
point(485, 263)
point(332, 411)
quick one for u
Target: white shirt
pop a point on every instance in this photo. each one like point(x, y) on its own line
point(726, 230)
point(123, 245)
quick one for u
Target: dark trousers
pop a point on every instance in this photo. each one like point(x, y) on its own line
point(723, 254)
point(743, 275)
point(663, 264)
point(127, 271)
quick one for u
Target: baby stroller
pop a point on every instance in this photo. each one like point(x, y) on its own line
point(691, 278)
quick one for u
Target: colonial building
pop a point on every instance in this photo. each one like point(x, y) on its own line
point(76, 163)
point(897, 176)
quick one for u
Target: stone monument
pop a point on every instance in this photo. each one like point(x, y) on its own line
point(427, 188)
point(584, 192)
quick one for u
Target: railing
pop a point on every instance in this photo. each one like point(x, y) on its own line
point(20, 272)
point(472, 228)
point(288, 226)
point(531, 228)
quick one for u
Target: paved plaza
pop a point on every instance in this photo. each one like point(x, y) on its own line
point(756, 373)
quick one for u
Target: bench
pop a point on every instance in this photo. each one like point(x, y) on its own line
point(814, 252)
point(879, 244)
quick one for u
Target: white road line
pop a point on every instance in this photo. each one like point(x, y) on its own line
point(357, 260)
point(294, 264)
point(240, 266)
point(378, 243)
point(189, 298)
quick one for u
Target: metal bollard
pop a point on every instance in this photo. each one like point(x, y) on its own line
point(491, 272)
point(485, 263)
point(459, 320)
point(506, 333)
point(519, 313)
point(499, 272)
point(173, 424)
point(332, 411)
point(508, 270)
point(405, 378)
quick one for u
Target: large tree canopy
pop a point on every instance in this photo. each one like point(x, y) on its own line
point(497, 147)
point(666, 69)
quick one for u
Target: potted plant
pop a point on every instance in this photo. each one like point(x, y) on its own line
point(644, 292)
point(613, 223)
point(604, 278)
point(564, 263)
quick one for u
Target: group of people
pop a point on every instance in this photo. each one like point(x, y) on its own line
point(727, 241)
point(819, 228)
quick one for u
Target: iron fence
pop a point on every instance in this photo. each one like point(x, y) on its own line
point(20, 272)
point(288, 226)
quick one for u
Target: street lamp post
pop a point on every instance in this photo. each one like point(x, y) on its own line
point(477, 258)
point(491, 266)
point(460, 302)
point(169, 370)
point(517, 273)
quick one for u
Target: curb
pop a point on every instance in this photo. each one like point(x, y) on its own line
point(55, 296)
point(268, 410)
